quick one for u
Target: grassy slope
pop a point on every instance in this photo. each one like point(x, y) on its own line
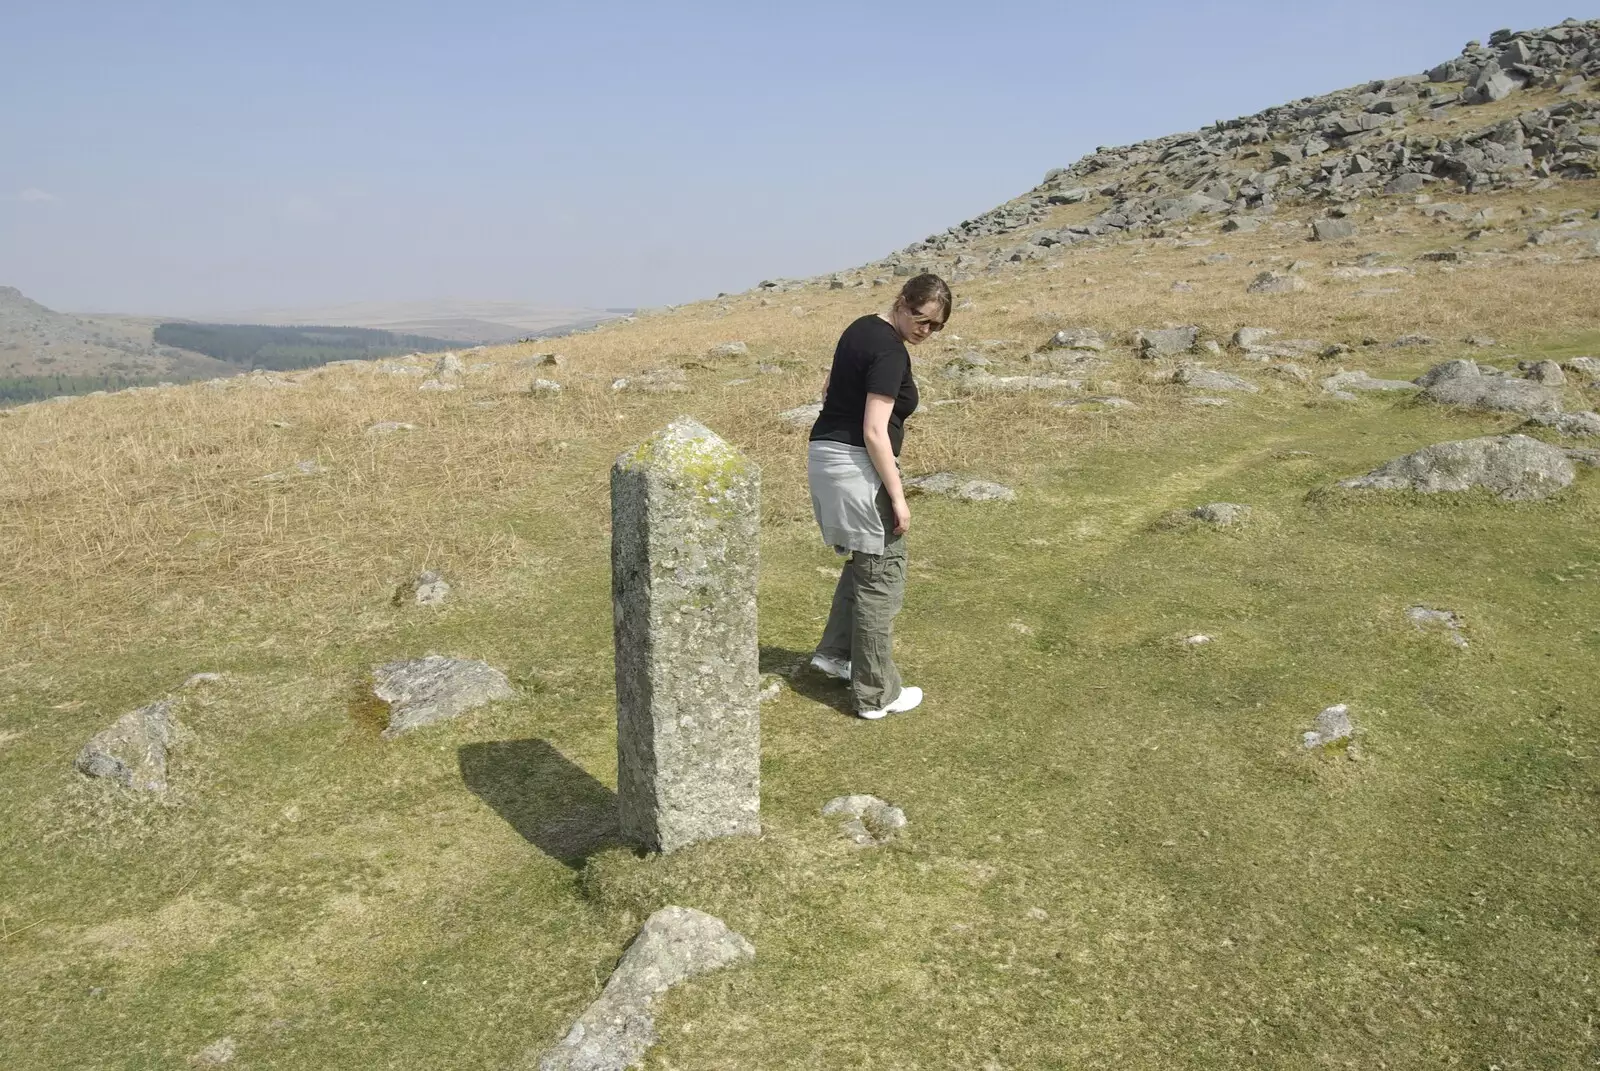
point(1212, 895)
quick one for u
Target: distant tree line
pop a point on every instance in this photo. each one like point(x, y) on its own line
point(281, 349)
point(15, 390)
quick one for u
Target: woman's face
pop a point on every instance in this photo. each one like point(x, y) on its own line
point(915, 325)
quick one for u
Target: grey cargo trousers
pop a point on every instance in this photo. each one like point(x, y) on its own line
point(860, 626)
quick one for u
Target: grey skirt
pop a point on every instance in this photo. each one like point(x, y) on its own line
point(844, 496)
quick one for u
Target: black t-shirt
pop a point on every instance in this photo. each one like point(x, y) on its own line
point(870, 359)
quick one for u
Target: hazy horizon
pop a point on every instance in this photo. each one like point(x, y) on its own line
point(175, 162)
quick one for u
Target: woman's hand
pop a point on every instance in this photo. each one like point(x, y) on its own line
point(902, 514)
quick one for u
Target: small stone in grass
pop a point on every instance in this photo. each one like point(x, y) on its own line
point(1332, 724)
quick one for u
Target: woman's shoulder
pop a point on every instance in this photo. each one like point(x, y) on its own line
point(871, 332)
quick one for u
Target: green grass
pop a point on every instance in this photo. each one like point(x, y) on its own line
point(1213, 896)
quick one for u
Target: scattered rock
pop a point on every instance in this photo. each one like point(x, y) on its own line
point(1585, 423)
point(421, 691)
point(1240, 225)
point(1546, 372)
point(1221, 514)
point(1332, 724)
point(772, 685)
point(1515, 467)
point(1197, 640)
point(385, 427)
point(133, 751)
point(1272, 282)
point(614, 1032)
point(1076, 338)
point(1587, 366)
point(1361, 381)
point(868, 822)
point(1425, 617)
point(1461, 383)
point(1105, 401)
point(1407, 341)
point(1249, 338)
point(1167, 342)
point(1210, 379)
point(543, 360)
point(195, 680)
point(654, 381)
point(801, 416)
point(953, 486)
point(430, 589)
point(1332, 230)
point(728, 349)
point(544, 386)
point(449, 368)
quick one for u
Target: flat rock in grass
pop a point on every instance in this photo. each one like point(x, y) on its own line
point(1495, 393)
point(986, 382)
point(133, 751)
point(437, 384)
point(1361, 381)
point(430, 588)
point(1515, 467)
point(1588, 366)
point(1425, 618)
point(216, 1054)
point(1585, 423)
point(1076, 338)
point(295, 471)
point(614, 1032)
point(388, 427)
point(953, 486)
point(1583, 455)
point(544, 386)
point(801, 416)
point(1210, 379)
point(1221, 514)
point(728, 349)
point(868, 821)
point(1333, 723)
point(653, 381)
point(1105, 401)
point(1206, 402)
point(1166, 342)
point(1272, 282)
point(421, 691)
point(1460, 367)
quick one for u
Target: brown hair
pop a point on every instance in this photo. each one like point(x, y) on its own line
point(922, 289)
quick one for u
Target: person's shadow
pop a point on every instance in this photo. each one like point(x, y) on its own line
point(552, 802)
point(795, 668)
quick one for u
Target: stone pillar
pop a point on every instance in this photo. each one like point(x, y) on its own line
point(685, 513)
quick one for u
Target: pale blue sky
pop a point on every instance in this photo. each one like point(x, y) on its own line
point(180, 158)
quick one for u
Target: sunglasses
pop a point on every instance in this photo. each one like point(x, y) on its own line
point(931, 325)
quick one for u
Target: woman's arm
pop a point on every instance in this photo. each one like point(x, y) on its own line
point(875, 430)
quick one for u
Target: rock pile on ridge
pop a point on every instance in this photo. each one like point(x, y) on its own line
point(1333, 148)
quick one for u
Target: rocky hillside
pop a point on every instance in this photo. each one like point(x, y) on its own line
point(1462, 127)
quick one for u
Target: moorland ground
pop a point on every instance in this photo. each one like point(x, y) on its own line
point(1119, 854)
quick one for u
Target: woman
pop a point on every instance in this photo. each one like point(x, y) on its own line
point(857, 496)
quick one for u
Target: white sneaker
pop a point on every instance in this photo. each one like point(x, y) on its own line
point(908, 699)
point(833, 667)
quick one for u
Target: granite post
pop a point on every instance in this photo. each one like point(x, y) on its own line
point(685, 512)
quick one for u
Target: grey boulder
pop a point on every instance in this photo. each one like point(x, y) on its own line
point(1515, 467)
point(1331, 230)
point(615, 1032)
point(1498, 393)
point(1076, 338)
point(1333, 723)
point(801, 416)
point(1360, 380)
point(1221, 514)
point(1211, 379)
point(133, 751)
point(1272, 282)
point(421, 691)
point(1167, 342)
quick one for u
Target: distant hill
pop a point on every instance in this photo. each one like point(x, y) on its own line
point(251, 346)
point(37, 341)
point(474, 321)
